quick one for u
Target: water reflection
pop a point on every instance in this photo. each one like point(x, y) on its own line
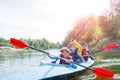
point(14, 61)
point(17, 60)
point(90, 77)
point(110, 64)
point(94, 77)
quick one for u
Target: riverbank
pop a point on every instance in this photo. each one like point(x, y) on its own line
point(8, 48)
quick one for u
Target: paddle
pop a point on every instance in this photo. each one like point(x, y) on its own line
point(108, 47)
point(98, 71)
point(81, 28)
point(21, 44)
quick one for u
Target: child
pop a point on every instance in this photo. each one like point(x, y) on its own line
point(85, 51)
point(65, 54)
point(76, 49)
point(65, 57)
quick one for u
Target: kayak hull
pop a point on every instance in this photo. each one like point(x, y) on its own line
point(47, 71)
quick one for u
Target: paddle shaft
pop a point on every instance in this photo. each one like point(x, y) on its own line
point(37, 49)
point(21, 44)
point(82, 65)
point(82, 27)
point(59, 58)
point(96, 51)
point(95, 71)
point(118, 46)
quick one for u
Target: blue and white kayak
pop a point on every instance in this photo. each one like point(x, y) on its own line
point(46, 71)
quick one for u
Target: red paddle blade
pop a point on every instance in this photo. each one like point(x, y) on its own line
point(17, 43)
point(111, 46)
point(103, 72)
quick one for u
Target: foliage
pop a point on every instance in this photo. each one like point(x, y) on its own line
point(4, 42)
point(37, 43)
point(87, 33)
point(104, 27)
point(110, 21)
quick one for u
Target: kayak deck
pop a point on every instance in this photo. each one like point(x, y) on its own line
point(46, 70)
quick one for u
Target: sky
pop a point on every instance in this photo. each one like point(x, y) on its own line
point(50, 19)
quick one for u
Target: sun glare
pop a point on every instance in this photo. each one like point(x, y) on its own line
point(66, 12)
point(86, 7)
point(51, 19)
point(97, 6)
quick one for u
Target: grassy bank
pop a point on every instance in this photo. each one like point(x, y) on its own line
point(108, 54)
point(114, 68)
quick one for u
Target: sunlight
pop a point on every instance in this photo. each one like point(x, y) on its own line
point(61, 15)
point(84, 7)
point(64, 13)
point(51, 19)
point(96, 6)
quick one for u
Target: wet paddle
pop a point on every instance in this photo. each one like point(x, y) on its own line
point(108, 47)
point(98, 71)
point(21, 44)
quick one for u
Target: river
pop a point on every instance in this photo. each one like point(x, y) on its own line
point(12, 61)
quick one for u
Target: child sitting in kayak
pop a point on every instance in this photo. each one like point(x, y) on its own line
point(76, 49)
point(65, 54)
point(85, 51)
point(65, 57)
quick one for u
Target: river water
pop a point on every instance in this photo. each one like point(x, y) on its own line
point(12, 61)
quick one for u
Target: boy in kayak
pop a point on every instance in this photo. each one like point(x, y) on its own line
point(65, 54)
point(85, 51)
point(76, 49)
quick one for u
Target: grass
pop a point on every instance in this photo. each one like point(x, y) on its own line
point(108, 55)
point(98, 62)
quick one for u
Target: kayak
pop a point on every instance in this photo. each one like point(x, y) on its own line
point(45, 71)
point(51, 70)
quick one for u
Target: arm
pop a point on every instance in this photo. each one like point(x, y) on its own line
point(52, 57)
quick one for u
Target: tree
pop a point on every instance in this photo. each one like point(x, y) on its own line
point(114, 19)
point(87, 33)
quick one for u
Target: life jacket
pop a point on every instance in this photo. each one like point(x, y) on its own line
point(79, 47)
point(75, 56)
point(63, 61)
point(85, 54)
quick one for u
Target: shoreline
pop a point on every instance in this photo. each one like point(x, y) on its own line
point(5, 48)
